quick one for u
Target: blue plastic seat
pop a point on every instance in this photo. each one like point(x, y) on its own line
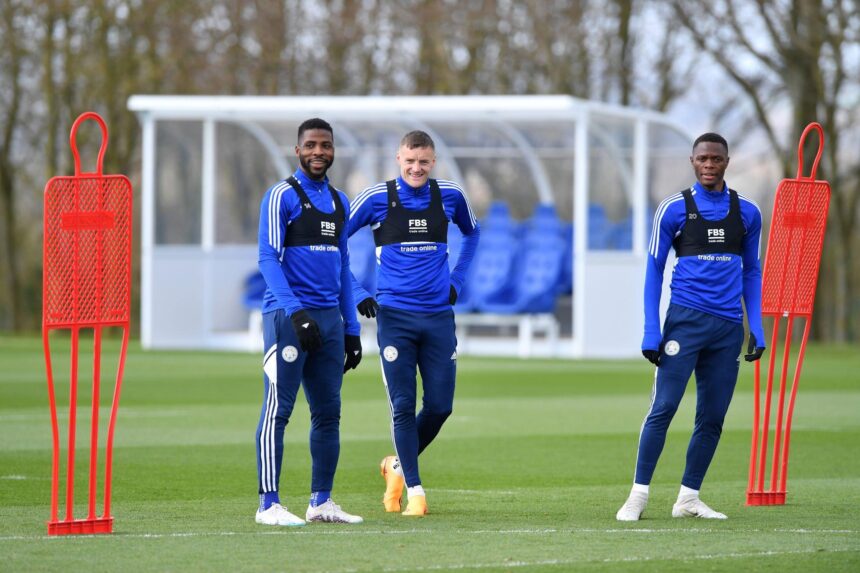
point(541, 269)
point(499, 217)
point(491, 272)
point(544, 216)
point(253, 291)
point(599, 228)
point(537, 275)
point(622, 234)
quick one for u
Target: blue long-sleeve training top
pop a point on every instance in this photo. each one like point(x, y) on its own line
point(315, 276)
point(710, 283)
point(416, 278)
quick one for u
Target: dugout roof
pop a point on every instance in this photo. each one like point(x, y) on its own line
point(207, 160)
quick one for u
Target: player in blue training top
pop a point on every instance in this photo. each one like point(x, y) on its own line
point(716, 236)
point(310, 329)
point(409, 217)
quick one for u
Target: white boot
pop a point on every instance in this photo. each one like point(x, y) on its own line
point(278, 515)
point(330, 512)
point(692, 506)
point(633, 508)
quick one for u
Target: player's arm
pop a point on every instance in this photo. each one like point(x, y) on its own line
point(465, 220)
point(751, 251)
point(351, 328)
point(362, 213)
point(666, 224)
point(274, 214)
point(347, 302)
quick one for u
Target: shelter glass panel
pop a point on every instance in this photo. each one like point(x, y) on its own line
point(553, 143)
point(669, 169)
point(610, 220)
point(179, 158)
point(245, 169)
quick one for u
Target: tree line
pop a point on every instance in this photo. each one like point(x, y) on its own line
point(61, 57)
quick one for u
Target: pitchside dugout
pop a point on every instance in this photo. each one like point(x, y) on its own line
point(207, 161)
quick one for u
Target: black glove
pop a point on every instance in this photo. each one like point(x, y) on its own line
point(653, 356)
point(452, 296)
point(352, 347)
point(367, 308)
point(306, 330)
point(753, 352)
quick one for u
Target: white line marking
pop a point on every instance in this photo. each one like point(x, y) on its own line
point(474, 491)
point(359, 531)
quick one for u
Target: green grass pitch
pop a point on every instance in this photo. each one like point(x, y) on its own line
point(526, 475)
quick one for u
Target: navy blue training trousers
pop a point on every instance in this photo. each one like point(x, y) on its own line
point(411, 342)
point(710, 346)
point(320, 373)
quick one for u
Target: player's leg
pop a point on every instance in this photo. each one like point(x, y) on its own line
point(670, 379)
point(397, 336)
point(437, 363)
point(716, 376)
point(323, 377)
point(282, 367)
point(682, 335)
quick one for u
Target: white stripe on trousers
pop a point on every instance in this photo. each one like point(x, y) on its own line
point(267, 433)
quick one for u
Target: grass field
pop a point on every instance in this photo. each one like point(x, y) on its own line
point(526, 475)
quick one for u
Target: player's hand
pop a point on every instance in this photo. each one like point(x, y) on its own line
point(368, 307)
point(653, 356)
point(307, 330)
point(452, 296)
point(352, 348)
point(753, 352)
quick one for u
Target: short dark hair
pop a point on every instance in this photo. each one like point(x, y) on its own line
point(712, 137)
point(314, 123)
point(417, 138)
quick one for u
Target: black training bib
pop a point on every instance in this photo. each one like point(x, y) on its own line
point(402, 225)
point(703, 237)
point(313, 227)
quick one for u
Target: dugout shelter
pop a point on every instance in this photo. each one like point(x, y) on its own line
point(599, 169)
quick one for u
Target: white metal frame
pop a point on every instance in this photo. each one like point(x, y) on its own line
point(498, 111)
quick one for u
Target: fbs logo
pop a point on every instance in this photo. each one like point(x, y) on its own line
point(716, 235)
point(417, 225)
point(328, 228)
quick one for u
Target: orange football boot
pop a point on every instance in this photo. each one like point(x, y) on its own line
point(416, 506)
point(394, 483)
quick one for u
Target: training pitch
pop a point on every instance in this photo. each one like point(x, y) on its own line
point(526, 475)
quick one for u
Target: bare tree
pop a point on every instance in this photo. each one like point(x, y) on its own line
point(61, 57)
point(11, 94)
point(802, 62)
